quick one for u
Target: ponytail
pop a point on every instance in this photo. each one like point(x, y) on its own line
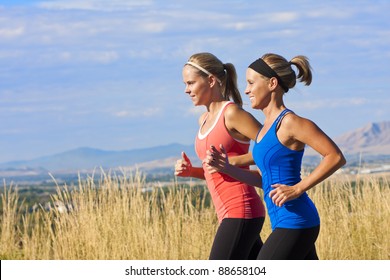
point(304, 69)
point(286, 73)
point(230, 89)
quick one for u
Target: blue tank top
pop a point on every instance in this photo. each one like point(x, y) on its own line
point(281, 165)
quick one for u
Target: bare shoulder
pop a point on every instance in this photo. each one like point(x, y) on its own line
point(300, 128)
point(232, 109)
point(241, 123)
point(234, 112)
point(293, 122)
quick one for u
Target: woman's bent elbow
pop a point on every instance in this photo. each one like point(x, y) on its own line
point(341, 160)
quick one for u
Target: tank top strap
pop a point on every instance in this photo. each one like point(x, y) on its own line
point(227, 105)
point(221, 113)
point(221, 117)
point(217, 122)
point(281, 115)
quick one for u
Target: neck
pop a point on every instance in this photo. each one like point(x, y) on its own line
point(273, 109)
point(216, 102)
point(215, 107)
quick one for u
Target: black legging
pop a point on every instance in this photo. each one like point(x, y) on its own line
point(290, 244)
point(237, 239)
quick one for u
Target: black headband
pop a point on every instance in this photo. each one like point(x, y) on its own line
point(263, 68)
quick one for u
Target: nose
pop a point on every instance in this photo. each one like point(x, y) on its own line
point(187, 90)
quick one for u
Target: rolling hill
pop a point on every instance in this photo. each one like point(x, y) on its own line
point(372, 140)
point(83, 159)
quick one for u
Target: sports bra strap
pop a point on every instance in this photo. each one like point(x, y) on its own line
point(282, 114)
point(280, 118)
point(276, 122)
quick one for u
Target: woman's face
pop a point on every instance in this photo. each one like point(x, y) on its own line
point(257, 89)
point(196, 86)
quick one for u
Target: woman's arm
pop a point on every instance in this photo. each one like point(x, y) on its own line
point(184, 168)
point(307, 132)
point(242, 126)
point(217, 161)
point(242, 160)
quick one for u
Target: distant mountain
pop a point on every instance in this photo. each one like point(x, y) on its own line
point(372, 139)
point(88, 158)
point(370, 144)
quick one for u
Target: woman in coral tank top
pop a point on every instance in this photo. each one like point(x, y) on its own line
point(240, 211)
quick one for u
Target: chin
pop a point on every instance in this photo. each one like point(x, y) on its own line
point(254, 106)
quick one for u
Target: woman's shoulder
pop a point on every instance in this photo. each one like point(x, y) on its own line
point(233, 109)
point(295, 123)
point(240, 120)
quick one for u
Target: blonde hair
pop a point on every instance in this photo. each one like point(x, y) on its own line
point(286, 73)
point(224, 72)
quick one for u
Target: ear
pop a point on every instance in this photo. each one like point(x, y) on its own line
point(273, 83)
point(212, 81)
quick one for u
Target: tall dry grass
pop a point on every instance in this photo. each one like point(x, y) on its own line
point(116, 219)
point(355, 218)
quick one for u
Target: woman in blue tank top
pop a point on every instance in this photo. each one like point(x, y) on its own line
point(278, 153)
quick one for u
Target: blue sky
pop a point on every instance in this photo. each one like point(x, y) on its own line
point(107, 74)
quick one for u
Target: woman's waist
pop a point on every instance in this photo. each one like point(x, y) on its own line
point(239, 206)
point(269, 181)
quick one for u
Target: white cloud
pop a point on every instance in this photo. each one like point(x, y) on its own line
point(258, 21)
point(103, 57)
point(7, 33)
point(283, 17)
point(10, 54)
point(334, 103)
point(94, 5)
point(122, 114)
point(196, 110)
point(152, 27)
point(329, 13)
point(29, 109)
point(11, 131)
point(287, 32)
point(136, 113)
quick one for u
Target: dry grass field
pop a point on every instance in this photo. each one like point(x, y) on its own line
point(116, 219)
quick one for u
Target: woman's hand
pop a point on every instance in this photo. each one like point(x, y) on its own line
point(183, 167)
point(283, 193)
point(216, 161)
